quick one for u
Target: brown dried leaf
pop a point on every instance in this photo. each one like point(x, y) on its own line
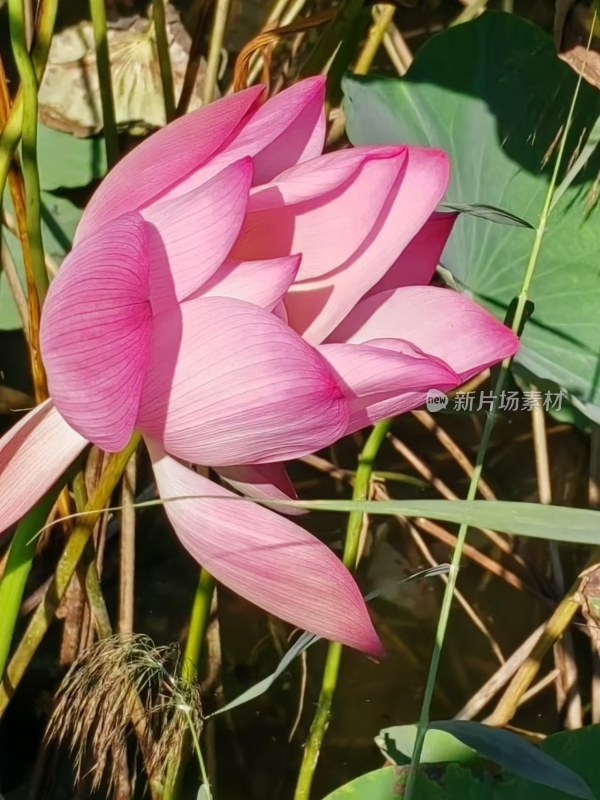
point(69, 95)
point(572, 26)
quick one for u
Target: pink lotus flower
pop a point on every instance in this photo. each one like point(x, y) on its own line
point(241, 299)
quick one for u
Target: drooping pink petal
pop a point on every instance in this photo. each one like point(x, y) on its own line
point(438, 321)
point(96, 332)
point(330, 227)
point(265, 558)
point(381, 382)
point(419, 260)
point(262, 283)
point(286, 130)
point(190, 236)
point(33, 455)
point(166, 158)
point(230, 383)
point(264, 482)
point(315, 307)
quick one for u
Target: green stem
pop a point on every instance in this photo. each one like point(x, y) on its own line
point(67, 564)
point(198, 751)
point(189, 670)
point(214, 51)
point(516, 326)
point(11, 133)
point(111, 138)
point(198, 623)
point(331, 671)
point(31, 177)
point(374, 40)
point(88, 570)
point(164, 58)
point(18, 567)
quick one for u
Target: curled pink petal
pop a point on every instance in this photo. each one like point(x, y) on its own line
point(263, 283)
point(33, 455)
point(166, 158)
point(316, 179)
point(230, 383)
point(263, 557)
point(96, 332)
point(289, 129)
point(316, 306)
point(381, 382)
point(263, 482)
point(286, 130)
point(419, 260)
point(438, 321)
point(190, 236)
point(330, 228)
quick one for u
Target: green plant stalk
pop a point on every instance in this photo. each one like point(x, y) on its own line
point(88, 570)
point(11, 133)
point(198, 751)
point(31, 176)
point(164, 58)
point(375, 39)
point(67, 564)
point(320, 722)
point(198, 623)
point(189, 672)
point(499, 385)
point(109, 124)
point(18, 567)
point(554, 628)
point(214, 51)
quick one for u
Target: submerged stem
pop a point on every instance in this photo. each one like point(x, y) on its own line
point(320, 722)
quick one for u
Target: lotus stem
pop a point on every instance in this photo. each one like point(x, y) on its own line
point(127, 550)
point(164, 58)
point(189, 672)
point(516, 325)
point(11, 132)
point(67, 564)
point(214, 52)
point(198, 624)
point(320, 722)
point(109, 124)
point(29, 86)
point(31, 319)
